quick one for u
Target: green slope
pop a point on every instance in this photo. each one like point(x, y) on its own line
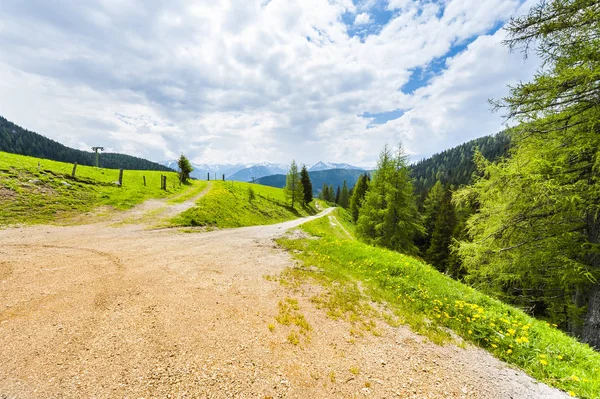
point(228, 205)
point(30, 196)
point(430, 302)
point(17, 140)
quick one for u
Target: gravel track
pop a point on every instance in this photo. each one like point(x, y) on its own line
point(97, 311)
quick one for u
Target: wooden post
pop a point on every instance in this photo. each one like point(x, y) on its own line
point(39, 166)
point(144, 181)
point(121, 178)
point(223, 177)
point(72, 173)
point(208, 176)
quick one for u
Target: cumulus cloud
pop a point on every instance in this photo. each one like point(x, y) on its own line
point(362, 19)
point(248, 81)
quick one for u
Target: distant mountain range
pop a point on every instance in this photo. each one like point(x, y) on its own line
point(250, 172)
point(334, 177)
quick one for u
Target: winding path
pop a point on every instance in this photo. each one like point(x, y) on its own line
point(95, 311)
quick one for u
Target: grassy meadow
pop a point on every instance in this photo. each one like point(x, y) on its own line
point(432, 304)
point(30, 196)
point(228, 204)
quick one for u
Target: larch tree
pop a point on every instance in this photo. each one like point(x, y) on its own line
point(536, 235)
point(389, 216)
point(293, 186)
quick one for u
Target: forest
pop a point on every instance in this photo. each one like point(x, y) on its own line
point(516, 215)
point(17, 140)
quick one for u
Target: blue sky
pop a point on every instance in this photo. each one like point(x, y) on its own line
point(252, 81)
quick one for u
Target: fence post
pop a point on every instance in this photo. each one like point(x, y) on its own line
point(144, 180)
point(208, 176)
point(121, 178)
point(223, 177)
point(72, 173)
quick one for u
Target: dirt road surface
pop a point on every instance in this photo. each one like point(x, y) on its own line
point(98, 311)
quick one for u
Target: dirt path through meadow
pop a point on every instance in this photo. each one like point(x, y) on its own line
point(95, 311)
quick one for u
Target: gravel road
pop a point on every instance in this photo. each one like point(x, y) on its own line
point(105, 311)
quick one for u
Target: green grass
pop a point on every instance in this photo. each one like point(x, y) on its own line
point(228, 204)
point(29, 196)
point(430, 303)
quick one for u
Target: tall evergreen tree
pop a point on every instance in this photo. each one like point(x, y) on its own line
point(185, 168)
point(431, 207)
point(338, 194)
point(331, 194)
point(358, 195)
point(536, 236)
point(306, 185)
point(324, 194)
point(438, 253)
point(293, 186)
point(344, 196)
point(389, 215)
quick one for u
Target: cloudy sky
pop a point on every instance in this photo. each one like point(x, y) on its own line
point(250, 81)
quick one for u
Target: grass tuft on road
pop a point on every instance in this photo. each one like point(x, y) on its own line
point(228, 204)
point(432, 303)
point(31, 196)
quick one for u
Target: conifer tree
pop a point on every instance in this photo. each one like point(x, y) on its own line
point(293, 186)
point(389, 215)
point(358, 195)
point(338, 194)
point(331, 194)
point(306, 185)
point(324, 194)
point(431, 207)
point(438, 253)
point(344, 196)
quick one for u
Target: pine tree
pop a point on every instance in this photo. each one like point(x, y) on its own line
point(293, 186)
point(389, 215)
point(438, 253)
point(338, 194)
point(344, 196)
point(185, 168)
point(306, 185)
point(358, 195)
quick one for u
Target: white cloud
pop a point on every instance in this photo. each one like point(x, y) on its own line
point(362, 19)
point(253, 80)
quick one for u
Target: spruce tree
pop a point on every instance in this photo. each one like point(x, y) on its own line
point(358, 195)
point(306, 185)
point(344, 196)
point(331, 194)
point(338, 194)
point(324, 194)
point(293, 186)
point(431, 207)
point(438, 253)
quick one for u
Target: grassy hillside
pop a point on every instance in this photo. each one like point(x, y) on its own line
point(17, 140)
point(228, 205)
point(30, 196)
point(430, 302)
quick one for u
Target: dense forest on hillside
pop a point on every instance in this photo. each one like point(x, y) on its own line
point(17, 140)
point(455, 166)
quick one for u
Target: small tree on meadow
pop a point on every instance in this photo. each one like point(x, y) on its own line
point(306, 185)
point(185, 168)
point(293, 186)
point(344, 196)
